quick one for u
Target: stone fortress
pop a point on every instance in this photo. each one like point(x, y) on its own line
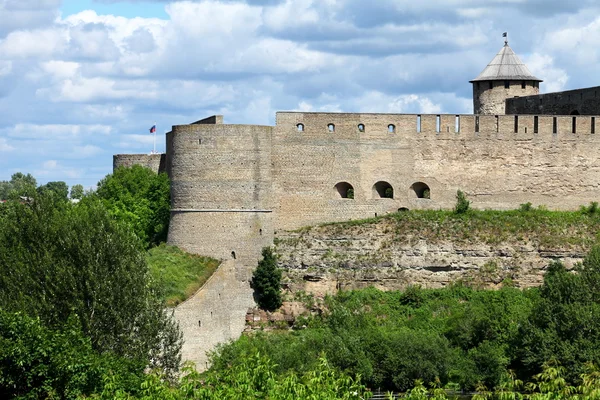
point(235, 187)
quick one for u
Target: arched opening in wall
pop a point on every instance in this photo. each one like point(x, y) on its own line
point(574, 112)
point(383, 190)
point(421, 190)
point(233, 255)
point(331, 128)
point(344, 190)
point(300, 127)
point(361, 127)
point(391, 128)
point(403, 209)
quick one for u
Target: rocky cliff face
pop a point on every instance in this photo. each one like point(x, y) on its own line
point(392, 254)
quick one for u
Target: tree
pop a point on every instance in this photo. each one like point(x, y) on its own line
point(19, 185)
point(462, 204)
point(77, 191)
point(140, 197)
point(59, 189)
point(266, 281)
point(565, 323)
point(59, 260)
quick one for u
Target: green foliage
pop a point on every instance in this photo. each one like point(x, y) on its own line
point(389, 193)
point(77, 191)
point(591, 209)
point(37, 362)
point(392, 338)
point(526, 207)
point(565, 324)
point(266, 281)
point(59, 189)
point(350, 193)
point(462, 204)
point(19, 185)
point(141, 198)
point(251, 377)
point(177, 273)
point(58, 260)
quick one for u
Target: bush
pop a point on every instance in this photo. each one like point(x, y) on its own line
point(462, 204)
point(37, 362)
point(526, 207)
point(266, 281)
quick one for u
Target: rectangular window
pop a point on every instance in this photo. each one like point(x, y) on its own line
point(554, 125)
point(523, 85)
point(593, 124)
point(477, 124)
point(438, 124)
point(457, 124)
point(491, 84)
point(497, 124)
point(574, 125)
point(506, 84)
point(418, 123)
point(535, 124)
point(516, 124)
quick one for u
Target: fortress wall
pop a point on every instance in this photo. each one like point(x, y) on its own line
point(582, 101)
point(497, 167)
point(156, 162)
point(220, 189)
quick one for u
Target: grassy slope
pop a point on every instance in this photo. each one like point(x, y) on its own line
point(178, 273)
point(542, 228)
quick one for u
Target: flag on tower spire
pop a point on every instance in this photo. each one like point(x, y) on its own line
point(153, 129)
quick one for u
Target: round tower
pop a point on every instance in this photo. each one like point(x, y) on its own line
point(505, 77)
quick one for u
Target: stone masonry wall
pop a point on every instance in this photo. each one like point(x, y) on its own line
point(156, 162)
point(221, 189)
point(510, 161)
point(581, 101)
point(492, 101)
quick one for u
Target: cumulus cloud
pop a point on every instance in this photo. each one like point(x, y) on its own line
point(75, 89)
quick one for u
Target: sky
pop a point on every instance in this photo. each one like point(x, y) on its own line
point(81, 80)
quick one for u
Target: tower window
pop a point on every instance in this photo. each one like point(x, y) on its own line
point(491, 84)
point(506, 84)
point(516, 124)
point(391, 128)
point(535, 124)
point(361, 127)
point(300, 127)
point(418, 123)
point(331, 128)
point(554, 125)
point(477, 124)
point(523, 85)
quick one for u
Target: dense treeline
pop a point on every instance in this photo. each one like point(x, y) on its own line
point(457, 335)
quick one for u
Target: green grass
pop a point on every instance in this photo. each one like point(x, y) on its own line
point(539, 227)
point(178, 273)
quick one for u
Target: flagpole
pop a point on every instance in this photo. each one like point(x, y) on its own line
point(154, 147)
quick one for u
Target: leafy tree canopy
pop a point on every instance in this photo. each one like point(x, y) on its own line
point(58, 188)
point(19, 185)
point(77, 191)
point(59, 260)
point(141, 198)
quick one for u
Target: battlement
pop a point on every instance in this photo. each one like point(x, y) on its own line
point(464, 126)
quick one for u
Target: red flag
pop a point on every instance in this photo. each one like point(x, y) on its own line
point(153, 129)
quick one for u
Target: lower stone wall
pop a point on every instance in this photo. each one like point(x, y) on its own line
point(214, 315)
point(156, 162)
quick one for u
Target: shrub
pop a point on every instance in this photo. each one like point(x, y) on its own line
point(266, 281)
point(462, 204)
point(525, 207)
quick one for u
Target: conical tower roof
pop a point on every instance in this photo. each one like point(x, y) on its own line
point(506, 66)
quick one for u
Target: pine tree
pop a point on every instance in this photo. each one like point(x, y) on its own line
point(266, 281)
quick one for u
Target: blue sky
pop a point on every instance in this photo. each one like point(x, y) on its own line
point(81, 80)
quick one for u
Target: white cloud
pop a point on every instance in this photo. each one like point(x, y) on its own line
point(4, 146)
point(56, 132)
